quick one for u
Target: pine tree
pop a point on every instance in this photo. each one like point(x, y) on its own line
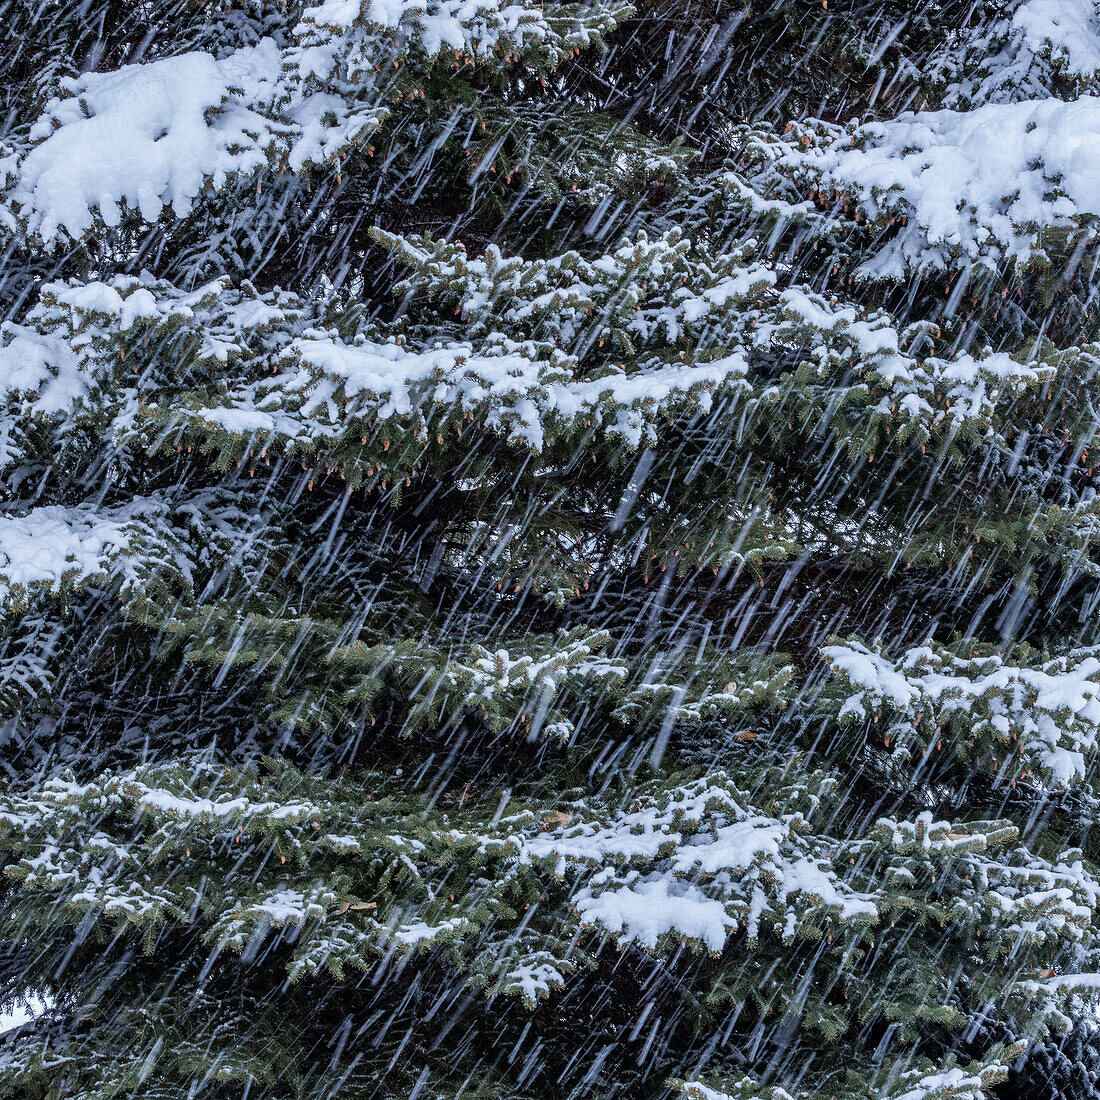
point(549, 550)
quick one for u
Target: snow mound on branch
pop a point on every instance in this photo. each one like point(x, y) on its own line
point(976, 186)
point(1068, 29)
point(57, 545)
point(744, 1089)
point(1035, 49)
point(44, 367)
point(518, 394)
point(146, 136)
point(1049, 713)
point(478, 27)
point(700, 866)
point(453, 23)
point(970, 1082)
point(145, 546)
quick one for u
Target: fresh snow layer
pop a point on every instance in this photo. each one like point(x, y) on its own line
point(517, 392)
point(445, 23)
point(1068, 30)
point(145, 136)
point(145, 540)
point(42, 367)
point(977, 186)
point(1052, 712)
point(696, 863)
point(25, 1010)
point(469, 26)
point(55, 544)
point(154, 135)
point(700, 866)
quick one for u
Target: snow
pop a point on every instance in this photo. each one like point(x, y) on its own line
point(55, 545)
point(145, 136)
point(44, 367)
point(1031, 50)
point(698, 864)
point(420, 933)
point(457, 24)
point(643, 913)
point(977, 187)
point(478, 27)
point(534, 978)
point(239, 808)
point(958, 1083)
point(325, 382)
point(69, 350)
point(1051, 712)
point(150, 542)
point(154, 135)
point(551, 355)
point(26, 1009)
point(735, 847)
point(662, 877)
point(704, 864)
point(655, 289)
point(529, 392)
point(1065, 982)
point(872, 672)
point(744, 1089)
point(173, 804)
point(511, 686)
point(972, 1082)
point(286, 907)
point(1068, 29)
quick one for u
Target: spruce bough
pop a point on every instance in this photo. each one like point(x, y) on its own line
point(514, 584)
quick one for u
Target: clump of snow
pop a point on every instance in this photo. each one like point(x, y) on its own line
point(972, 187)
point(147, 543)
point(1048, 713)
point(1069, 30)
point(1034, 49)
point(146, 137)
point(27, 1008)
point(54, 545)
point(44, 368)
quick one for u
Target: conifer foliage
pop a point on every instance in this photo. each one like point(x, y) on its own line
point(550, 549)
